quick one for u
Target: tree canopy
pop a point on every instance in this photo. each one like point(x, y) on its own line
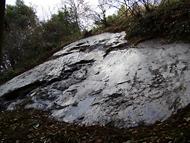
point(28, 41)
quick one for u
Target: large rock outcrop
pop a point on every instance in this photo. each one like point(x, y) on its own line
point(102, 80)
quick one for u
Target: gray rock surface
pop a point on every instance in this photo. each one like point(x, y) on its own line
point(102, 80)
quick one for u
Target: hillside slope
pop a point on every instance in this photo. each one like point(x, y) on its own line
point(101, 80)
point(100, 89)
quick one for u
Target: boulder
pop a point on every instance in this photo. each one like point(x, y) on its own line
point(102, 80)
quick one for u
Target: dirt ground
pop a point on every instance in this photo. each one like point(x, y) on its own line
point(27, 126)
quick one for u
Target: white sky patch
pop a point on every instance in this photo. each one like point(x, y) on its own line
point(45, 8)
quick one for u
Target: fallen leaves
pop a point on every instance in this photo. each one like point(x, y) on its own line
point(35, 126)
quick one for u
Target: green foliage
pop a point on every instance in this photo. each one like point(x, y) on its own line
point(61, 27)
point(21, 16)
point(116, 22)
point(170, 20)
point(29, 42)
point(21, 24)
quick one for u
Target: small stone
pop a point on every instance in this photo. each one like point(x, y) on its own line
point(99, 141)
point(187, 119)
point(129, 141)
point(36, 126)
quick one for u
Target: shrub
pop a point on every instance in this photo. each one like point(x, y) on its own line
point(170, 20)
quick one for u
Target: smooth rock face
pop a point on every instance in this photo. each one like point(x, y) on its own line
point(101, 80)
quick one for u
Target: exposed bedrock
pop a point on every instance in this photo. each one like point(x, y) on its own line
point(102, 80)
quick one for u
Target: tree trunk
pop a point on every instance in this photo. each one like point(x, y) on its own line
point(2, 13)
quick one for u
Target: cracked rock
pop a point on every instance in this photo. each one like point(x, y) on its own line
point(100, 80)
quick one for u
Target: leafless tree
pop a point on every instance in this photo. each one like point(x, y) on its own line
point(99, 15)
point(133, 6)
point(117, 4)
point(80, 10)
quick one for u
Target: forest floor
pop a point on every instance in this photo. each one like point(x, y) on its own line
point(24, 126)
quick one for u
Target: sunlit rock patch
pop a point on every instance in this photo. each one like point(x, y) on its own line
point(102, 80)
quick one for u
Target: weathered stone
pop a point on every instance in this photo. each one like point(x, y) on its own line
point(101, 80)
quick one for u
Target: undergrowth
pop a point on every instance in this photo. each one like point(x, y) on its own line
point(169, 20)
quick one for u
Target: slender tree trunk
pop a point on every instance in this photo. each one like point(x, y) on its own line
point(105, 19)
point(2, 13)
